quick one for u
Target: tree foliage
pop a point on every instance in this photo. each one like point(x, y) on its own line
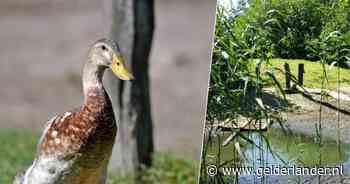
point(300, 29)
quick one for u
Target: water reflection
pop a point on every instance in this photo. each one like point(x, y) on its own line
point(276, 147)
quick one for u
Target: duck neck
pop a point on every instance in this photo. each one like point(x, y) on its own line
point(92, 79)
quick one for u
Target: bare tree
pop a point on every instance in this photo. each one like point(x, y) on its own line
point(132, 27)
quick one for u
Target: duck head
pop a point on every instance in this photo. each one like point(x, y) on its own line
point(106, 53)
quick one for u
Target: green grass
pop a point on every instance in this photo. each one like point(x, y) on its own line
point(18, 148)
point(313, 73)
point(167, 169)
point(17, 151)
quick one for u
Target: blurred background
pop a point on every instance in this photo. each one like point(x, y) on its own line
point(44, 45)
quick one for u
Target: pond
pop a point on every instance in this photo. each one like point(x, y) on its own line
point(279, 149)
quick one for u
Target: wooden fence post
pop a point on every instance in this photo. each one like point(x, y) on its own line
point(287, 75)
point(301, 72)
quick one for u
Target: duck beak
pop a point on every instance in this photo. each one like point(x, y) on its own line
point(119, 69)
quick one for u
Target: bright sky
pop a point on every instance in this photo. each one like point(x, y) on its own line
point(229, 4)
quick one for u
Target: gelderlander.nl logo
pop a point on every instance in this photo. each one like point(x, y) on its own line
point(276, 170)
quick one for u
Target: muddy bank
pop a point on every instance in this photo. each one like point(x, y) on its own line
point(299, 115)
point(303, 115)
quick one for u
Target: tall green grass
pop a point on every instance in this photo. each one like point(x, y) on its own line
point(236, 71)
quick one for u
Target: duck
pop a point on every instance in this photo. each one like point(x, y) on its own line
point(76, 146)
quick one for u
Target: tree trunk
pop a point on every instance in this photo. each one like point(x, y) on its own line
point(132, 27)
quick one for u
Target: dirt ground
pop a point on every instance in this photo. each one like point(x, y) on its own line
point(44, 44)
point(301, 114)
point(306, 116)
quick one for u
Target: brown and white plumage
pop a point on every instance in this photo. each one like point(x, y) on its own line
point(76, 146)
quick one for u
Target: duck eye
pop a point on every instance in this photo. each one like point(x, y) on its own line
point(104, 48)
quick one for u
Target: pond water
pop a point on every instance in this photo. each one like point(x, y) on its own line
point(276, 148)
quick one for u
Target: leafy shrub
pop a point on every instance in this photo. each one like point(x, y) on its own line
point(298, 28)
point(233, 57)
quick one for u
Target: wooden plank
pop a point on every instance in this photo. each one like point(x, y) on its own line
point(243, 126)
